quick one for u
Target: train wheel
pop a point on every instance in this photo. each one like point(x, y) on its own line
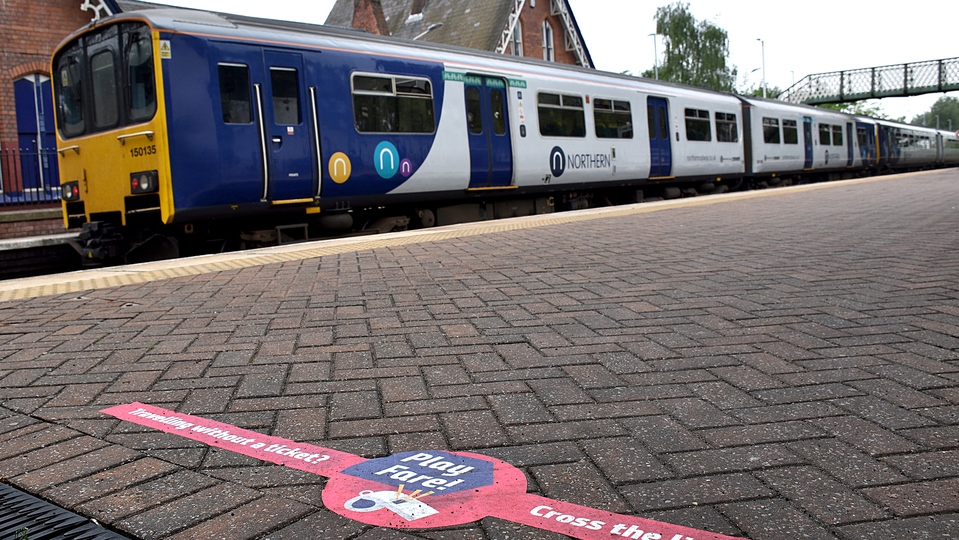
point(426, 218)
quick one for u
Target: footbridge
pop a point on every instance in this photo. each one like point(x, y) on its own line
point(895, 80)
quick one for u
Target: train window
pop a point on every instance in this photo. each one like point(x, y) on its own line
point(837, 136)
point(285, 83)
point(106, 113)
point(861, 137)
point(726, 129)
point(697, 125)
point(825, 134)
point(790, 132)
point(413, 87)
point(380, 85)
point(474, 112)
point(235, 93)
point(771, 130)
point(384, 104)
point(140, 85)
point(70, 91)
point(614, 119)
point(561, 116)
point(496, 106)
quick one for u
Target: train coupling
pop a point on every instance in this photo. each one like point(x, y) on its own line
point(98, 242)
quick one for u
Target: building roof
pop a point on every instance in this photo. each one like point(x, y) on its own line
point(475, 24)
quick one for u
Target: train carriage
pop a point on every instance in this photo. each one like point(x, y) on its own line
point(183, 130)
point(948, 148)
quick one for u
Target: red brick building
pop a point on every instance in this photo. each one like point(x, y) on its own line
point(29, 32)
point(543, 29)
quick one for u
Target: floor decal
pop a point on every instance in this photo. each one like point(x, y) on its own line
point(414, 490)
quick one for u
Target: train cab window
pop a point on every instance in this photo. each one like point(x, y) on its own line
point(141, 89)
point(385, 104)
point(825, 134)
point(697, 125)
point(561, 115)
point(285, 83)
point(790, 132)
point(614, 119)
point(474, 111)
point(771, 130)
point(235, 93)
point(105, 79)
point(726, 129)
point(103, 71)
point(837, 136)
point(69, 91)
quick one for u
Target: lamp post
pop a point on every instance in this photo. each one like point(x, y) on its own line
point(764, 65)
point(655, 57)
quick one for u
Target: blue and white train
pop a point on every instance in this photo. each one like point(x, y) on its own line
point(178, 129)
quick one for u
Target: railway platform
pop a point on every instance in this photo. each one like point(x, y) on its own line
point(766, 365)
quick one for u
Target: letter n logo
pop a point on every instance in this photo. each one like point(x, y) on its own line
point(557, 162)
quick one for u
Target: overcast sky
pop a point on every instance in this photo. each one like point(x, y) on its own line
point(825, 35)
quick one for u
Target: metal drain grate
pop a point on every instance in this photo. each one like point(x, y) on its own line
point(25, 517)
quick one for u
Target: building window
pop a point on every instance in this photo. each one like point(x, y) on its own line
point(697, 125)
point(726, 129)
point(518, 39)
point(548, 53)
point(614, 119)
point(385, 104)
point(771, 130)
point(561, 116)
point(790, 132)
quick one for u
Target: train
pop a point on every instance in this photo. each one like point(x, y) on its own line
point(184, 131)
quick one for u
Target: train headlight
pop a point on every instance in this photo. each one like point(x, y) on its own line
point(70, 191)
point(144, 182)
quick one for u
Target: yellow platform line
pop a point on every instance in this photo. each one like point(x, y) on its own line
point(103, 278)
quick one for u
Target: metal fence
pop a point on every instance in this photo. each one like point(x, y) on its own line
point(28, 178)
point(885, 81)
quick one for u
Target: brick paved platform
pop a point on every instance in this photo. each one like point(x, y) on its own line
point(776, 367)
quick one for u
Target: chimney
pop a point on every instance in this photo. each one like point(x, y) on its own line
point(368, 15)
point(417, 7)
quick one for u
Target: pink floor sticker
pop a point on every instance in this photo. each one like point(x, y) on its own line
point(414, 490)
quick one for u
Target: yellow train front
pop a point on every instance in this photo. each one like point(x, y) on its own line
point(114, 157)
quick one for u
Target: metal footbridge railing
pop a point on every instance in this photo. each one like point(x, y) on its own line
point(878, 82)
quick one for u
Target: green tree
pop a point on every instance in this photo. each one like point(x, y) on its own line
point(696, 51)
point(772, 92)
point(861, 108)
point(946, 108)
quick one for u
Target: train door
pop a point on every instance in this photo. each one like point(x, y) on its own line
point(890, 152)
point(660, 147)
point(866, 135)
point(807, 136)
point(487, 118)
point(288, 137)
point(849, 145)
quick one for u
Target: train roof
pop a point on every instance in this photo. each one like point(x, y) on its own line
point(193, 21)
